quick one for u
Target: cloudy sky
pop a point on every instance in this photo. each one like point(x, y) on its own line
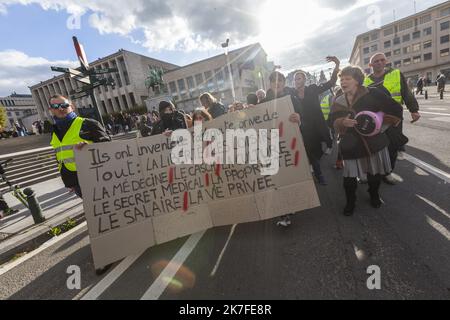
point(37, 34)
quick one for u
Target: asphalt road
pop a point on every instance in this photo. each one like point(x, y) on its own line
point(323, 255)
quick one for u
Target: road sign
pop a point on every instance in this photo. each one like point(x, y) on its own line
point(79, 95)
point(59, 69)
point(84, 80)
point(102, 71)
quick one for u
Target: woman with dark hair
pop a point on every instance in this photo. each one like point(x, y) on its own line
point(363, 154)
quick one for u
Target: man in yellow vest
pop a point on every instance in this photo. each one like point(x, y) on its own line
point(71, 131)
point(393, 81)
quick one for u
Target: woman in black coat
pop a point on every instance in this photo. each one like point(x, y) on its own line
point(362, 155)
point(314, 127)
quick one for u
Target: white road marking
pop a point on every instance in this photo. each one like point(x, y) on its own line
point(435, 113)
point(161, 283)
point(213, 272)
point(429, 168)
point(436, 109)
point(111, 277)
point(443, 119)
point(434, 205)
point(9, 266)
point(438, 227)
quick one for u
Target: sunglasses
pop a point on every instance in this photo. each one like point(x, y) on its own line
point(59, 105)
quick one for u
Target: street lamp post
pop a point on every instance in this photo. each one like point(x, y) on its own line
point(225, 46)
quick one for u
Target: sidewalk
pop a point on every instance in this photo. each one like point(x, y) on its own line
point(58, 205)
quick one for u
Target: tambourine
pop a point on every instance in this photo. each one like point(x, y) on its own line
point(369, 123)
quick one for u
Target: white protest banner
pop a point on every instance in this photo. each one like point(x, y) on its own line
point(136, 197)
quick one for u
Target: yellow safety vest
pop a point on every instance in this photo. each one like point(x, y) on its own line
point(64, 149)
point(325, 105)
point(392, 82)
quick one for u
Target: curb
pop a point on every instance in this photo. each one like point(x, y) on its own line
point(36, 235)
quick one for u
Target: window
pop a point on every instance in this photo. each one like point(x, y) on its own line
point(445, 39)
point(209, 80)
point(406, 25)
point(427, 44)
point(387, 44)
point(406, 50)
point(427, 31)
point(388, 54)
point(406, 37)
point(105, 111)
point(417, 59)
point(132, 99)
point(117, 102)
point(191, 85)
point(397, 64)
point(125, 72)
point(366, 61)
point(416, 35)
point(374, 36)
point(9, 113)
point(407, 61)
point(445, 25)
point(425, 19)
point(374, 48)
point(366, 39)
point(416, 47)
point(199, 82)
point(445, 12)
point(388, 32)
point(125, 103)
point(219, 78)
point(366, 50)
point(445, 52)
point(396, 40)
point(117, 74)
point(181, 87)
point(427, 56)
point(110, 105)
point(173, 88)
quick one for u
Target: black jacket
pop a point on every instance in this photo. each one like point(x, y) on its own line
point(313, 126)
point(91, 130)
point(216, 110)
point(178, 122)
point(351, 144)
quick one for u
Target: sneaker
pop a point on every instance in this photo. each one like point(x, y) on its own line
point(284, 222)
point(401, 155)
point(389, 179)
point(362, 180)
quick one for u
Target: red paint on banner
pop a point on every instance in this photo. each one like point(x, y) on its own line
point(297, 158)
point(171, 175)
point(294, 143)
point(218, 168)
point(281, 129)
point(185, 201)
point(207, 179)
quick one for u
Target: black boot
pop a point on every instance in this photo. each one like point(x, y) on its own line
point(350, 185)
point(374, 186)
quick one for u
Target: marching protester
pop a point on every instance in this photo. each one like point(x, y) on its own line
point(419, 86)
point(252, 100)
point(71, 130)
point(314, 128)
point(395, 83)
point(441, 80)
point(363, 155)
point(144, 129)
point(171, 119)
point(211, 104)
point(277, 90)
